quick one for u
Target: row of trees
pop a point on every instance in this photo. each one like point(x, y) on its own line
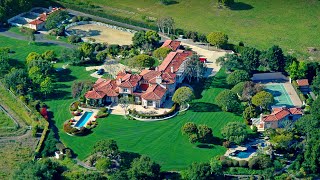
point(10, 8)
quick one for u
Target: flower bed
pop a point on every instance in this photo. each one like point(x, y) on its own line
point(173, 111)
point(67, 127)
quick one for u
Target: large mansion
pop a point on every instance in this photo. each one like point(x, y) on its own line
point(150, 88)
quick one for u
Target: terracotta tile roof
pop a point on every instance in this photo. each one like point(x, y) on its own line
point(102, 88)
point(155, 92)
point(280, 113)
point(145, 71)
point(174, 60)
point(174, 45)
point(167, 78)
point(43, 17)
point(129, 80)
point(144, 87)
point(302, 82)
point(94, 94)
point(36, 22)
point(150, 75)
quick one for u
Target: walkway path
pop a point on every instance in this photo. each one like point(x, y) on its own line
point(39, 38)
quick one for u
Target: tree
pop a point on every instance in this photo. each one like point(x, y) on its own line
point(142, 61)
point(189, 128)
point(230, 62)
point(235, 132)
point(199, 171)
point(316, 84)
point(55, 18)
point(217, 39)
point(46, 86)
point(307, 123)
point(41, 169)
point(139, 39)
point(49, 55)
point(74, 39)
point(315, 108)
point(250, 89)
point(71, 55)
point(274, 58)
point(31, 36)
point(79, 87)
point(86, 49)
point(103, 164)
point(263, 99)
point(144, 168)
point(152, 37)
point(124, 103)
point(17, 79)
point(101, 56)
point(194, 68)
point(228, 101)
point(249, 112)
point(119, 175)
point(260, 161)
point(165, 24)
point(250, 57)
point(4, 60)
point(237, 77)
point(238, 88)
point(282, 139)
point(216, 168)
point(35, 74)
point(182, 96)
point(32, 56)
point(161, 52)
point(204, 133)
point(49, 145)
point(297, 70)
point(107, 147)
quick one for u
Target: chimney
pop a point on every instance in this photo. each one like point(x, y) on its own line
point(119, 81)
point(158, 80)
point(157, 69)
point(171, 69)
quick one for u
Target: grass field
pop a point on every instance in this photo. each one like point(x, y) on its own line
point(291, 24)
point(5, 121)
point(162, 141)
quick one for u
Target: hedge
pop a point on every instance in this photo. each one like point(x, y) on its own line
point(296, 88)
point(173, 110)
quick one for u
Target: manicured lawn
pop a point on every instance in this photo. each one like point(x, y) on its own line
point(21, 49)
point(259, 23)
point(162, 141)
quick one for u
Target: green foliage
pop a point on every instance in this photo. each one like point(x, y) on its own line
point(42, 169)
point(316, 84)
point(142, 61)
point(217, 39)
point(250, 57)
point(103, 164)
point(119, 175)
point(183, 95)
point(260, 162)
point(49, 55)
point(228, 101)
point(281, 139)
point(189, 128)
point(235, 132)
point(10, 8)
point(71, 55)
point(4, 60)
point(216, 167)
point(238, 88)
point(237, 77)
point(204, 133)
point(230, 62)
point(263, 99)
point(55, 18)
point(106, 147)
point(32, 56)
point(74, 39)
point(86, 49)
point(139, 39)
point(249, 112)
point(297, 70)
point(80, 87)
point(49, 145)
point(199, 171)
point(17, 79)
point(161, 52)
point(274, 59)
point(195, 69)
point(152, 37)
point(46, 86)
point(101, 56)
point(307, 124)
point(144, 168)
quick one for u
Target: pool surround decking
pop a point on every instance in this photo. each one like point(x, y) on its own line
point(91, 119)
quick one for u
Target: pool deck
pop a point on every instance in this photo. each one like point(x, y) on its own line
point(91, 119)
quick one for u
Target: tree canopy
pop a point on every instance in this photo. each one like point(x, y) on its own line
point(144, 168)
point(142, 61)
point(263, 99)
point(217, 39)
point(228, 101)
point(237, 77)
point(183, 95)
point(106, 147)
point(55, 18)
point(235, 132)
point(161, 52)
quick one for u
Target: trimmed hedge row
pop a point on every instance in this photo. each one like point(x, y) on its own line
point(173, 110)
point(296, 88)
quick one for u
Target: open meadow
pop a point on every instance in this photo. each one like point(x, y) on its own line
point(293, 25)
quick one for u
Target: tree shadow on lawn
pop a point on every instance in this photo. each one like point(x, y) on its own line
point(16, 63)
point(65, 76)
point(58, 94)
point(204, 107)
point(240, 6)
point(127, 158)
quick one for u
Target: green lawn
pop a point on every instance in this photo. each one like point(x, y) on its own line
point(162, 141)
point(5, 121)
point(260, 23)
point(21, 49)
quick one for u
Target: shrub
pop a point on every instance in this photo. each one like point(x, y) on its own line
point(243, 163)
point(69, 153)
point(74, 106)
point(226, 144)
point(235, 163)
point(74, 39)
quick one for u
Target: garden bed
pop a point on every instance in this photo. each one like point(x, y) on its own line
point(158, 117)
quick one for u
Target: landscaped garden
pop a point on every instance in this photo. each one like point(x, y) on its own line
point(162, 141)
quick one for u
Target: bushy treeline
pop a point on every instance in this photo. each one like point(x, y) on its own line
point(10, 8)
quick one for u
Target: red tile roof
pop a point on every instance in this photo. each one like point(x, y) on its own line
point(43, 17)
point(94, 94)
point(280, 113)
point(174, 45)
point(303, 82)
point(102, 88)
point(129, 80)
point(36, 22)
point(155, 92)
point(174, 60)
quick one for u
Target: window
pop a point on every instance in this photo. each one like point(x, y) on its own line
point(125, 90)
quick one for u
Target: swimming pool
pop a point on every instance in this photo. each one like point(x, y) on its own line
point(84, 119)
point(246, 153)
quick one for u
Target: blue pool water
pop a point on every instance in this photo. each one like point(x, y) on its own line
point(245, 154)
point(84, 119)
